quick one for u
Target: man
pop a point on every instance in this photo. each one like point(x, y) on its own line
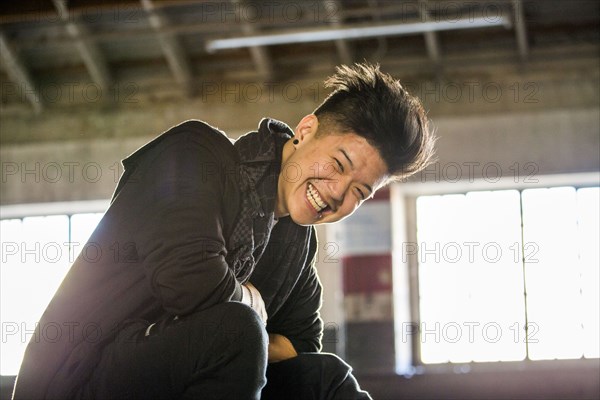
point(203, 282)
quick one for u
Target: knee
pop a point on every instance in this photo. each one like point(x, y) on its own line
point(231, 323)
point(232, 328)
point(248, 342)
point(244, 320)
point(242, 312)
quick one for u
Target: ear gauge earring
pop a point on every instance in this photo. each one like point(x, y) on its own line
point(295, 141)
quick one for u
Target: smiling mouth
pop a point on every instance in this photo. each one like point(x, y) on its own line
point(315, 199)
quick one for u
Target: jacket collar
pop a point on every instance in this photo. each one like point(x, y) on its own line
point(264, 145)
point(260, 161)
point(259, 166)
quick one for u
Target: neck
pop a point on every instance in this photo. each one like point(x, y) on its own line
point(280, 205)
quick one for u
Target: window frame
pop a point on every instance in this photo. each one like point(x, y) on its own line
point(69, 209)
point(403, 197)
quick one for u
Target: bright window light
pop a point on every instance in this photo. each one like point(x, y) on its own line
point(36, 255)
point(588, 205)
point(12, 345)
point(82, 226)
point(476, 260)
point(553, 273)
point(470, 277)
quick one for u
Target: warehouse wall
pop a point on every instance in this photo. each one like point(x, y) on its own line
point(533, 120)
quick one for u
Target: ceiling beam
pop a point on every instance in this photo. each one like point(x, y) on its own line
point(17, 72)
point(171, 47)
point(333, 11)
point(209, 28)
point(520, 29)
point(376, 14)
point(260, 54)
point(352, 32)
point(431, 39)
point(92, 57)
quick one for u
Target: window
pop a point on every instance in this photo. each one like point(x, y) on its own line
point(562, 279)
point(478, 253)
point(37, 252)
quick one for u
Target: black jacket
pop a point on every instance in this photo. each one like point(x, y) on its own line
point(162, 249)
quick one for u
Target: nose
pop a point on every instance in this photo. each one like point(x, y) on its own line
point(337, 190)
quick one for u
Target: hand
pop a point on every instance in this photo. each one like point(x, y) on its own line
point(280, 348)
point(251, 297)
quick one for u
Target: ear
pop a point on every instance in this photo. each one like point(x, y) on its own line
point(306, 127)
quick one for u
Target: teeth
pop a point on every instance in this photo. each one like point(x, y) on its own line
point(314, 198)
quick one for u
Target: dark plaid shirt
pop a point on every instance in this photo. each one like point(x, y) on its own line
point(190, 220)
point(284, 272)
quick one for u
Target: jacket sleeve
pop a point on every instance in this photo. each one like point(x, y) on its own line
point(299, 319)
point(179, 232)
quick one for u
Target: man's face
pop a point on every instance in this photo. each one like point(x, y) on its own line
point(325, 179)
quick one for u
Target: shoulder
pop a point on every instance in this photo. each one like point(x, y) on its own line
point(194, 133)
point(201, 132)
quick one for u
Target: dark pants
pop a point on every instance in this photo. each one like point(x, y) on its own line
point(312, 376)
point(218, 353)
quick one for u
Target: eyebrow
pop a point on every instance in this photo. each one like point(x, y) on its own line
point(347, 158)
point(352, 167)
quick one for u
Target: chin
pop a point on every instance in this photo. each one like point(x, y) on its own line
point(302, 218)
point(302, 221)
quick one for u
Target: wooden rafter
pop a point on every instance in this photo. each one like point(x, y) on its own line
point(18, 73)
point(92, 57)
point(171, 47)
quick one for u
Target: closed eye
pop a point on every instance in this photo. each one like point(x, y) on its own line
point(339, 164)
point(360, 192)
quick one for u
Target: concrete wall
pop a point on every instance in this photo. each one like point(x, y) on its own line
point(548, 117)
point(520, 145)
point(511, 120)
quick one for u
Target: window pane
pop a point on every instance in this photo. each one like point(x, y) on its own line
point(470, 277)
point(82, 226)
point(11, 347)
point(552, 273)
point(588, 205)
point(30, 277)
